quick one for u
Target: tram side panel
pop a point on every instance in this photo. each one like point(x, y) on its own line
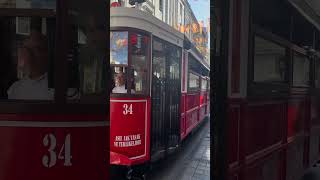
point(203, 105)
point(130, 131)
point(52, 147)
point(296, 121)
point(314, 131)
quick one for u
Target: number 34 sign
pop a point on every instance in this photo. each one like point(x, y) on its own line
point(50, 159)
point(127, 109)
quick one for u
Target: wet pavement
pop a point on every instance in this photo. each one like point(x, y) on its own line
point(192, 162)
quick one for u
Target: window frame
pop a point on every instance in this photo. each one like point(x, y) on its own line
point(148, 62)
point(20, 106)
point(273, 89)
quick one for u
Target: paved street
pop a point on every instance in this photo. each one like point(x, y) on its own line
point(192, 162)
point(312, 174)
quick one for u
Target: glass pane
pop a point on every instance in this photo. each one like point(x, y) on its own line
point(87, 55)
point(269, 61)
point(27, 54)
point(158, 62)
point(301, 70)
point(204, 85)
point(28, 4)
point(119, 84)
point(194, 81)
point(317, 73)
point(119, 48)
point(174, 58)
point(139, 53)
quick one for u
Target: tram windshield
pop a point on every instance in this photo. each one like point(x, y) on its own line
point(128, 61)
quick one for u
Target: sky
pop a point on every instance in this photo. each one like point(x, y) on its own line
point(201, 9)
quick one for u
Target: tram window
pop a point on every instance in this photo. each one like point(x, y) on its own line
point(119, 61)
point(27, 54)
point(269, 61)
point(317, 73)
point(119, 48)
point(87, 60)
point(301, 70)
point(194, 82)
point(204, 84)
point(137, 73)
point(139, 55)
point(158, 60)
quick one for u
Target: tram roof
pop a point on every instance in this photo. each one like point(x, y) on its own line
point(123, 17)
point(133, 18)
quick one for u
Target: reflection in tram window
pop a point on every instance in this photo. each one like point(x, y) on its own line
point(133, 74)
point(158, 61)
point(301, 70)
point(27, 47)
point(204, 84)
point(87, 61)
point(119, 61)
point(119, 48)
point(269, 61)
point(194, 81)
point(139, 49)
point(317, 73)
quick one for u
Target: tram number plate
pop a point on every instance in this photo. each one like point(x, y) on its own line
point(127, 109)
point(50, 159)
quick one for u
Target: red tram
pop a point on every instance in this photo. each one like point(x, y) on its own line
point(53, 95)
point(160, 89)
point(270, 120)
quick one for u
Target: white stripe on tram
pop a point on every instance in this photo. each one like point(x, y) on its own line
point(54, 124)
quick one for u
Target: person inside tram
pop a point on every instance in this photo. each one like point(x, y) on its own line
point(120, 85)
point(119, 82)
point(34, 86)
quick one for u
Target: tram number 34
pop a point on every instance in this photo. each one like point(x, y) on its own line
point(127, 109)
point(50, 159)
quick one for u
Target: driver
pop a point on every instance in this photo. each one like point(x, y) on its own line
point(34, 86)
point(119, 82)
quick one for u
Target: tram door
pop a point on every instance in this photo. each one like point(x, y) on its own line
point(165, 98)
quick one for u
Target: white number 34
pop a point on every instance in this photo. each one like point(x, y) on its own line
point(50, 159)
point(127, 109)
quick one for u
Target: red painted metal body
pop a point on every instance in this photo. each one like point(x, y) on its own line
point(130, 133)
point(125, 127)
point(268, 138)
point(26, 153)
